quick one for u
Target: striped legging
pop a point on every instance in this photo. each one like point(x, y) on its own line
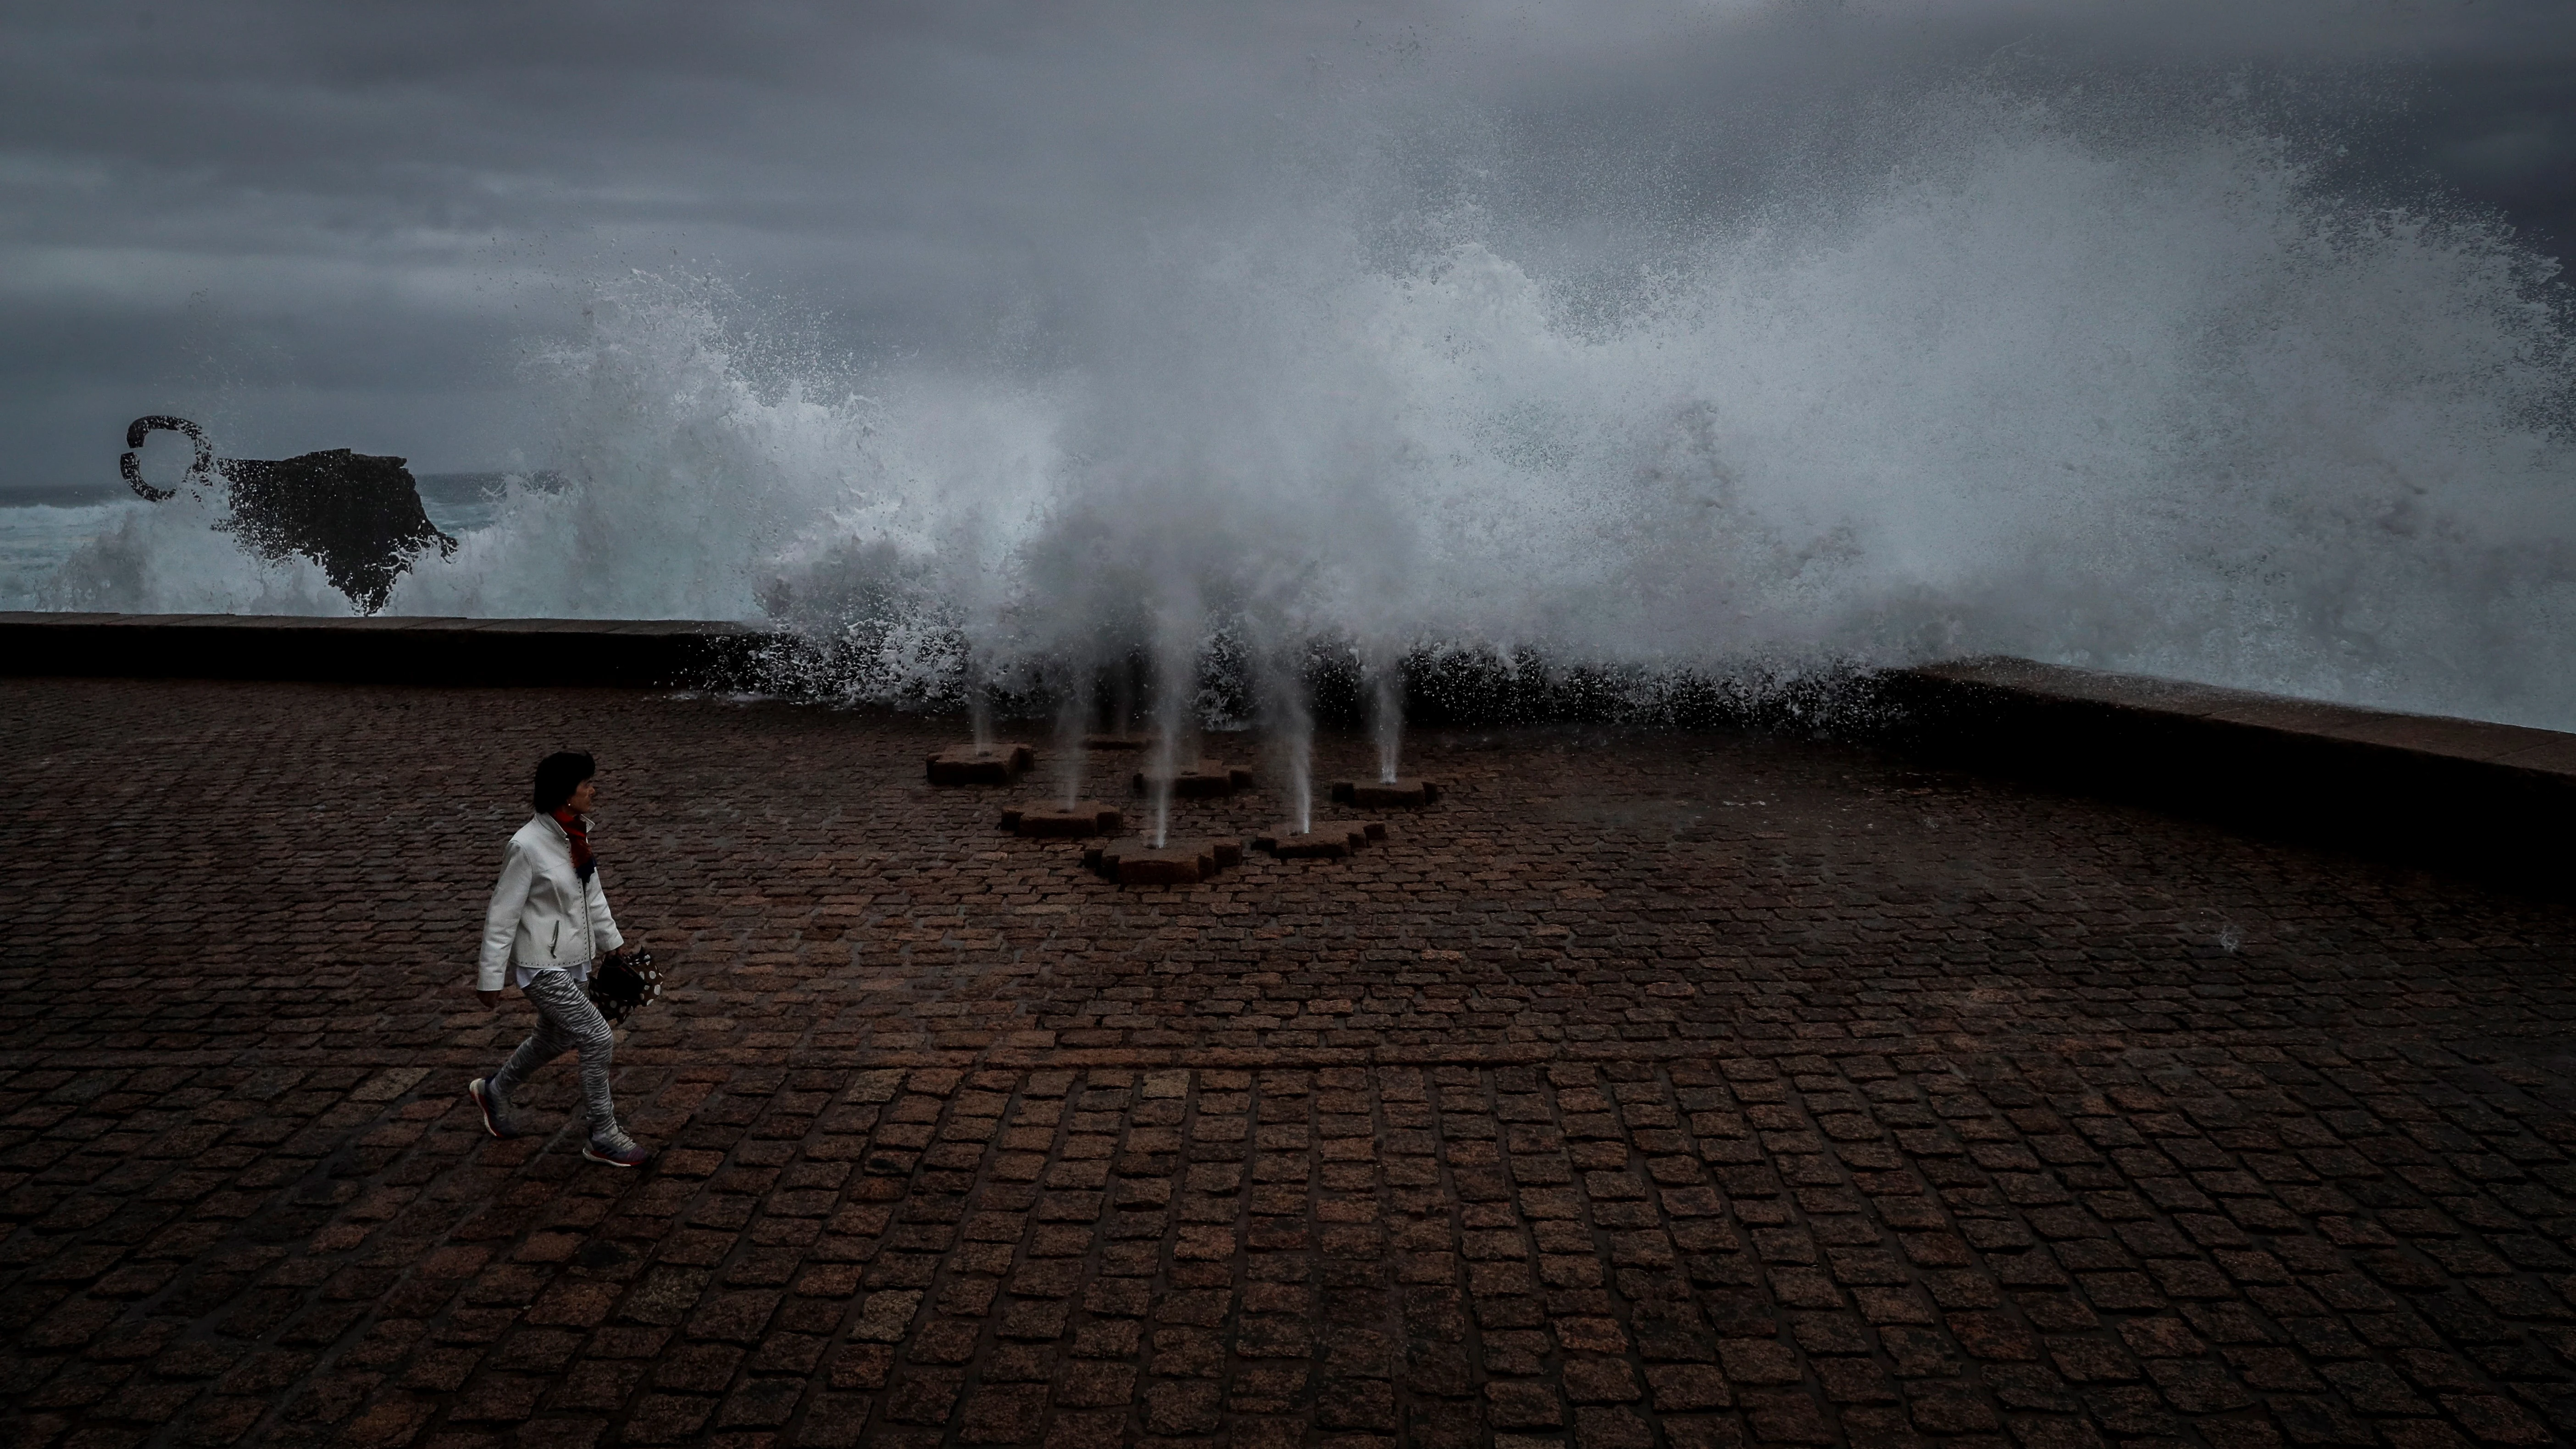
point(566, 1021)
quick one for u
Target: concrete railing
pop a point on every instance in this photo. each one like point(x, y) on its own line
point(2416, 788)
point(628, 652)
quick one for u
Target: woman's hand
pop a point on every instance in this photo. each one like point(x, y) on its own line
point(491, 999)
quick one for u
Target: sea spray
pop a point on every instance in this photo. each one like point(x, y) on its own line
point(1288, 722)
point(2148, 400)
point(1386, 709)
point(1179, 628)
point(1073, 707)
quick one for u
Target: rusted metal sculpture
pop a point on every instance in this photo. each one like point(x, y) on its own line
point(357, 515)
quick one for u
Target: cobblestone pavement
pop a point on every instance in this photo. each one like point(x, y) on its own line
point(1682, 1090)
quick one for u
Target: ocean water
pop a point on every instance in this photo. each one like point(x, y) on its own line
point(38, 538)
point(2150, 397)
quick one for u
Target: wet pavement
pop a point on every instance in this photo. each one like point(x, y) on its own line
point(1647, 1089)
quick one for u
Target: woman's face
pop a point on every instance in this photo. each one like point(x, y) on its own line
point(584, 796)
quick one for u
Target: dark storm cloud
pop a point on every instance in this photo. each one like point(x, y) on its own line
point(341, 224)
point(245, 202)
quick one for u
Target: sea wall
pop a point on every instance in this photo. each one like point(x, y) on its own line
point(2415, 789)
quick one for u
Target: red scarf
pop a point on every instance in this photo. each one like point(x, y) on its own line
point(579, 831)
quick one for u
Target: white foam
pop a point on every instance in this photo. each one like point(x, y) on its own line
point(36, 538)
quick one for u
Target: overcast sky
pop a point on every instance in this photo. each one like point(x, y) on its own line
point(327, 224)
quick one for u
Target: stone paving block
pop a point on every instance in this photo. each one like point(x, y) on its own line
point(1056, 822)
point(1828, 1102)
point(1398, 794)
point(1320, 840)
point(964, 764)
point(1136, 861)
point(1194, 780)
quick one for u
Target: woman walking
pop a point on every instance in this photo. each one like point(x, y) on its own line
point(548, 919)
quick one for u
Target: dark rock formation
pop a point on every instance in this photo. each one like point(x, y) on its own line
point(357, 515)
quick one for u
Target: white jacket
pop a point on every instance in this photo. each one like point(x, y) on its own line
point(543, 916)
